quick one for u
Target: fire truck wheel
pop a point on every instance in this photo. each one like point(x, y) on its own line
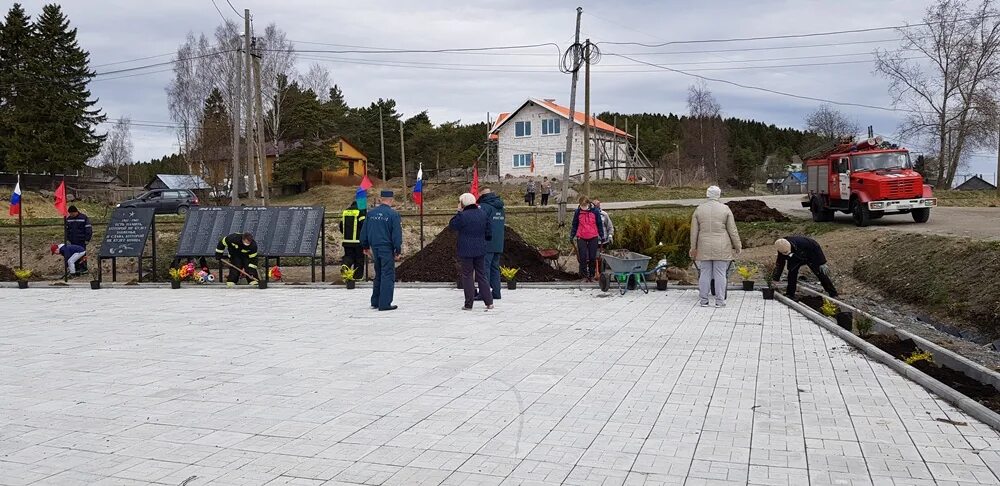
point(921, 215)
point(877, 214)
point(862, 216)
point(819, 214)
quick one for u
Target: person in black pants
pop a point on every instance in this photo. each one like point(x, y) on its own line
point(351, 221)
point(473, 228)
point(242, 255)
point(797, 251)
point(586, 232)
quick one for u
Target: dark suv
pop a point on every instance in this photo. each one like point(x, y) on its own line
point(164, 201)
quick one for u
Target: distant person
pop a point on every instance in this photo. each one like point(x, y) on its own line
point(797, 251)
point(382, 240)
point(586, 231)
point(71, 255)
point(715, 241)
point(492, 205)
point(473, 228)
point(529, 192)
point(242, 251)
point(546, 190)
point(79, 231)
point(352, 220)
point(608, 235)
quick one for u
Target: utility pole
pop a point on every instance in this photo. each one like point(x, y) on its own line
point(381, 137)
point(614, 164)
point(234, 179)
point(572, 121)
point(265, 183)
point(248, 75)
point(586, 116)
point(402, 153)
point(996, 180)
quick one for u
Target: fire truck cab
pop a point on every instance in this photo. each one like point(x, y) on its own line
point(867, 180)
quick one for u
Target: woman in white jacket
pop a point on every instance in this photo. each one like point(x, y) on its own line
point(715, 241)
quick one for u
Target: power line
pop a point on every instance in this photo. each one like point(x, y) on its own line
point(417, 51)
point(772, 48)
point(224, 19)
point(237, 12)
point(799, 36)
point(758, 88)
point(127, 61)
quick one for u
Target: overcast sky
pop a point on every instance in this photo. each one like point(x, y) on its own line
point(465, 87)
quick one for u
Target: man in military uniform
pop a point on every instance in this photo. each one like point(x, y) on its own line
point(242, 255)
point(382, 240)
point(352, 220)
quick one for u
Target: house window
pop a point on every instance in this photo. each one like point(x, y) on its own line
point(522, 129)
point(550, 126)
point(560, 158)
point(522, 160)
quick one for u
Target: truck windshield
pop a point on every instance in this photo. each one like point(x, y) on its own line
point(889, 160)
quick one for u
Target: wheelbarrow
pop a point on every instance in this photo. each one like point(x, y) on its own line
point(621, 267)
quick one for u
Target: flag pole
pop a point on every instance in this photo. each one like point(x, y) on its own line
point(421, 208)
point(20, 227)
point(66, 235)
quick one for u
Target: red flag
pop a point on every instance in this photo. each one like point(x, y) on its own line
point(61, 199)
point(366, 183)
point(532, 162)
point(475, 181)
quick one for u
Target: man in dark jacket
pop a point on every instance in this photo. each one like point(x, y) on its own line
point(492, 205)
point(242, 254)
point(78, 228)
point(474, 235)
point(797, 251)
point(382, 240)
point(351, 221)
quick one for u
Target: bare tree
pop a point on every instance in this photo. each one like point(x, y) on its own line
point(318, 80)
point(277, 65)
point(830, 123)
point(704, 109)
point(949, 90)
point(117, 149)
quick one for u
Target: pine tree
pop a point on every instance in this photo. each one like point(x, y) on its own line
point(15, 115)
point(63, 136)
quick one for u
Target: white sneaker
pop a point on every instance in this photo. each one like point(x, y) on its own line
point(704, 303)
point(720, 304)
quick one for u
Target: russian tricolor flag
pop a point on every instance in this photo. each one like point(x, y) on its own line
point(15, 199)
point(418, 188)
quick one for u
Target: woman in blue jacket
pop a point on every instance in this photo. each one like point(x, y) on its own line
point(473, 228)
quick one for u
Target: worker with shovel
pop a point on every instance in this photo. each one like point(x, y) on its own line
point(242, 259)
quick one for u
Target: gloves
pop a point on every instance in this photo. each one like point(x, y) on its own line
point(825, 269)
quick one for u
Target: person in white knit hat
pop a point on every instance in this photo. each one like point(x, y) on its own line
point(715, 241)
point(796, 251)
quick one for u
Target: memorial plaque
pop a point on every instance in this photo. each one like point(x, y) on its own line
point(127, 232)
point(279, 231)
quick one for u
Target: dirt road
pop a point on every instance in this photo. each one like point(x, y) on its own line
point(978, 223)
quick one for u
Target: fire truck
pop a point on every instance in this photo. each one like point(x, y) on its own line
point(868, 180)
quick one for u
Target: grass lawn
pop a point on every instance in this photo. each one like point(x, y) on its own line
point(968, 198)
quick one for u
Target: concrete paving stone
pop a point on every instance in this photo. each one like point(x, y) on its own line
point(554, 387)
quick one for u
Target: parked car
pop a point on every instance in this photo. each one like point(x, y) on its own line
point(164, 201)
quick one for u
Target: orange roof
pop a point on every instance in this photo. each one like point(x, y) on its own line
point(562, 111)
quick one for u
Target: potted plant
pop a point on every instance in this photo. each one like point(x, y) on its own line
point(768, 271)
point(844, 319)
point(661, 275)
point(509, 274)
point(863, 325)
point(95, 284)
point(175, 278)
point(347, 275)
point(746, 272)
point(22, 275)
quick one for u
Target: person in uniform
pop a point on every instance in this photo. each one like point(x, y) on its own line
point(382, 240)
point(352, 220)
point(242, 255)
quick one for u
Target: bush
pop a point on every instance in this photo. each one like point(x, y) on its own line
point(669, 237)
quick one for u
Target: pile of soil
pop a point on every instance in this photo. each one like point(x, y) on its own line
point(428, 265)
point(956, 380)
point(7, 274)
point(754, 210)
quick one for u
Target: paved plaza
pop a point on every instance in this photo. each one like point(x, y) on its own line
point(306, 387)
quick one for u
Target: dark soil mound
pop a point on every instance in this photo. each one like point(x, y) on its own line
point(437, 261)
point(754, 210)
point(7, 274)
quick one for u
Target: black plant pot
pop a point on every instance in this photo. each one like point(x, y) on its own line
point(95, 284)
point(175, 284)
point(458, 285)
point(661, 285)
point(633, 282)
point(262, 284)
point(511, 285)
point(845, 320)
point(22, 284)
point(748, 285)
point(768, 293)
point(350, 284)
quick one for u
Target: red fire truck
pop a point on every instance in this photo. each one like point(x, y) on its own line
point(867, 180)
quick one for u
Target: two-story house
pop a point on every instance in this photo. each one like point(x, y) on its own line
point(531, 141)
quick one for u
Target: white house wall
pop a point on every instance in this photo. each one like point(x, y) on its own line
point(544, 147)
